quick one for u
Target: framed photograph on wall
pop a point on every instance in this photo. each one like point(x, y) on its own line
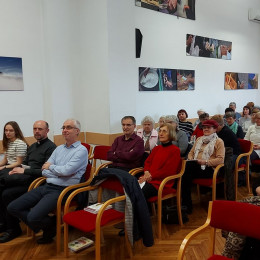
point(11, 73)
point(161, 79)
point(200, 46)
point(179, 8)
point(235, 80)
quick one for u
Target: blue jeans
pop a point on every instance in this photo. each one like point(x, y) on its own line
point(33, 207)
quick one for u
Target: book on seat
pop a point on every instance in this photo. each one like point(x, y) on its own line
point(96, 207)
point(80, 243)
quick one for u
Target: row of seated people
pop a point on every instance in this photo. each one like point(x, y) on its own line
point(66, 166)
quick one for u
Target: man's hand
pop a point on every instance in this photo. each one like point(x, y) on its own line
point(46, 166)
point(17, 170)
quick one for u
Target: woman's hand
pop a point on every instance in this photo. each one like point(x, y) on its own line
point(256, 147)
point(146, 177)
point(202, 162)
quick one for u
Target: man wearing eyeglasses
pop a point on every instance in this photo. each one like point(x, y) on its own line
point(65, 167)
point(127, 150)
point(19, 179)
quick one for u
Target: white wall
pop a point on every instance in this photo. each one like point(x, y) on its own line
point(79, 60)
point(164, 46)
point(21, 36)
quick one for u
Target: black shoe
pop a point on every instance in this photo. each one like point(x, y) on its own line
point(2, 227)
point(121, 233)
point(48, 234)
point(10, 235)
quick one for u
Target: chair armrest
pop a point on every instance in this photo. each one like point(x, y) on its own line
point(36, 183)
point(170, 178)
point(136, 170)
point(74, 193)
point(194, 233)
point(103, 165)
point(103, 208)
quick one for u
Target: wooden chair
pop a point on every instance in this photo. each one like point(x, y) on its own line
point(60, 207)
point(89, 148)
point(238, 217)
point(164, 194)
point(246, 148)
point(99, 153)
point(88, 222)
point(210, 183)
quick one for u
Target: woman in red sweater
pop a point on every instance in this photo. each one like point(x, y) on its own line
point(164, 161)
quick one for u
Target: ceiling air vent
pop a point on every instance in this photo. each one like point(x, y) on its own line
point(254, 15)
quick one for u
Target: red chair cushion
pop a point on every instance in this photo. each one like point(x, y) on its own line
point(165, 192)
point(238, 217)
point(113, 184)
point(205, 182)
point(86, 221)
point(256, 162)
point(244, 145)
point(100, 152)
point(220, 257)
point(242, 165)
point(87, 146)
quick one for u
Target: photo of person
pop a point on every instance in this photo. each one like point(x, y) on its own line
point(169, 79)
point(252, 81)
point(180, 8)
point(185, 80)
point(207, 47)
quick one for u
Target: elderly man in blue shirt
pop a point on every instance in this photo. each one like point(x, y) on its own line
point(65, 167)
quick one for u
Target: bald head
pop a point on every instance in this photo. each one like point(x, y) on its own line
point(40, 130)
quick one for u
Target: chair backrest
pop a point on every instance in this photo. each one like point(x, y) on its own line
point(238, 217)
point(89, 148)
point(100, 152)
point(88, 171)
point(245, 145)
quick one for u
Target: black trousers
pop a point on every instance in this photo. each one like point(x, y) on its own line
point(7, 195)
point(192, 171)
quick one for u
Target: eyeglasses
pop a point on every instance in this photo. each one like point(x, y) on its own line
point(68, 127)
point(128, 125)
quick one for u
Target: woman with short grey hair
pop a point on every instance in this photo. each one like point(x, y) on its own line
point(148, 133)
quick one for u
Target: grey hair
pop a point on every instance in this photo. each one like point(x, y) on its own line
point(233, 104)
point(147, 119)
point(200, 110)
point(75, 122)
point(172, 118)
point(230, 114)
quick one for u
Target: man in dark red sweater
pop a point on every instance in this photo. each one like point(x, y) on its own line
point(127, 150)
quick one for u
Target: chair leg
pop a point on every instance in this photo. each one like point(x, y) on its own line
point(58, 234)
point(66, 231)
point(97, 243)
point(248, 182)
point(159, 219)
point(236, 183)
point(179, 210)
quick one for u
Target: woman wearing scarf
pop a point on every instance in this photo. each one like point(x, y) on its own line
point(207, 153)
point(233, 125)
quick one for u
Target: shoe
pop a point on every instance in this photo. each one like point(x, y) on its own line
point(2, 227)
point(121, 233)
point(10, 235)
point(48, 234)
